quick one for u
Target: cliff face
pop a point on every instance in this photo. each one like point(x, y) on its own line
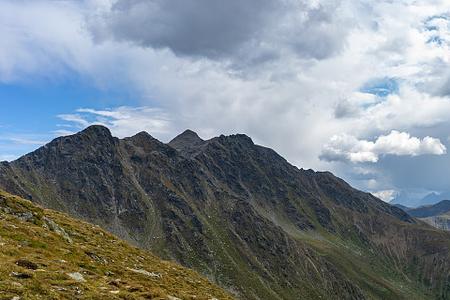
point(238, 213)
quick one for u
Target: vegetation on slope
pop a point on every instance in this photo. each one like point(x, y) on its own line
point(48, 255)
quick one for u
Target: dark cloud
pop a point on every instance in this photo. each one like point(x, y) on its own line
point(251, 31)
point(346, 109)
point(209, 28)
point(444, 91)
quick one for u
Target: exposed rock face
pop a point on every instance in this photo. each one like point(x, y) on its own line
point(188, 143)
point(238, 213)
point(439, 221)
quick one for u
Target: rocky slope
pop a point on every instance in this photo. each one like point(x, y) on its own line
point(441, 221)
point(48, 255)
point(239, 214)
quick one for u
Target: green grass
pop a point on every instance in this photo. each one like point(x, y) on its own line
point(111, 268)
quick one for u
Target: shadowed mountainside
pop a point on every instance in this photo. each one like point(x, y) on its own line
point(239, 214)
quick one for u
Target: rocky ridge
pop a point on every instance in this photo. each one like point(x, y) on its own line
point(238, 213)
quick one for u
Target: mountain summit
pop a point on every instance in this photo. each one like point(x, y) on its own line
point(187, 142)
point(238, 213)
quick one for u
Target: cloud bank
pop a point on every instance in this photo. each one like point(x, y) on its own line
point(348, 148)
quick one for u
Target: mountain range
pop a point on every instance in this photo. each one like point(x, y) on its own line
point(437, 215)
point(239, 214)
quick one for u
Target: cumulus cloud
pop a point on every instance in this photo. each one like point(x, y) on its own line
point(386, 195)
point(348, 148)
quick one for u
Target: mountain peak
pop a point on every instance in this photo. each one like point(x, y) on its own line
point(147, 142)
point(239, 137)
point(142, 136)
point(187, 136)
point(186, 141)
point(97, 130)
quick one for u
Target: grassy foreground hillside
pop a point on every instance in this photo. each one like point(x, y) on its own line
point(48, 255)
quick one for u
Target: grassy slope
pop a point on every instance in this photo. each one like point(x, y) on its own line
point(109, 267)
point(376, 274)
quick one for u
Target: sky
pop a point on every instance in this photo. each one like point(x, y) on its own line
point(360, 88)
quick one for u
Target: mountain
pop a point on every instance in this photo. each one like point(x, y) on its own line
point(238, 213)
point(437, 215)
point(434, 198)
point(430, 210)
point(407, 199)
point(48, 255)
point(414, 200)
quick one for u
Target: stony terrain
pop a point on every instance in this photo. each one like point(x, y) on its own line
point(441, 221)
point(48, 255)
point(239, 214)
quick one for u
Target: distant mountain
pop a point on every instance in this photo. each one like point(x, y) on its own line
point(437, 215)
point(430, 210)
point(409, 200)
point(48, 255)
point(406, 199)
point(239, 214)
point(434, 198)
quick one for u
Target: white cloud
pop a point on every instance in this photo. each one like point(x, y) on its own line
point(386, 195)
point(123, 121)
point(344, 147)
point(26, 141)
point(63, 132)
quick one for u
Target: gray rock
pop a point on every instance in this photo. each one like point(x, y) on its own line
point(76, 276)
point(53, 226)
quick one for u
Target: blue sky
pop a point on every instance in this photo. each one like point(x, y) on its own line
point(30, 111)
point(351, 87)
